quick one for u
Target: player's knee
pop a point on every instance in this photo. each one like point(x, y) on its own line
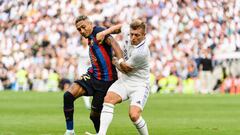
point(134, 116)
point(94, 116)
point(112, 99)
point(68, 99)
point(76, 90)
point(107, 99)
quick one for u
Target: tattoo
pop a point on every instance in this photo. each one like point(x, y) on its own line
point(117, 31)
point(116, 49)
point(109, 40)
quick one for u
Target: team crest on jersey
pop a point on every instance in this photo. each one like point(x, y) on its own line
point(90, 42)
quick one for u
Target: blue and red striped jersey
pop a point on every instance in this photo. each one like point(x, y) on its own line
point(101, 58)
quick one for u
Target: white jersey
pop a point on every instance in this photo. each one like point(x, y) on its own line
point(135, 84)
point(138, 57)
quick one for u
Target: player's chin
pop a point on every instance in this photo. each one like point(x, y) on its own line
point(134, 43)
point(84, 35)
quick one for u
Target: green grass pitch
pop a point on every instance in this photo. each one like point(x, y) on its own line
point(32, 113)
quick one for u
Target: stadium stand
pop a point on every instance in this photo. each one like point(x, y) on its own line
point(195, 44)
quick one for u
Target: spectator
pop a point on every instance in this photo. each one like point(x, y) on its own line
point(40, 35)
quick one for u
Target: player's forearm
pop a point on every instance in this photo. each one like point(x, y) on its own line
point(116, 48)
point(113, 30)
point(125, 67)
point(118, 51)
point(119, 68)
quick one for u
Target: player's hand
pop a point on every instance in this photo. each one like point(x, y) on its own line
point(100, 36)
point(114, 60)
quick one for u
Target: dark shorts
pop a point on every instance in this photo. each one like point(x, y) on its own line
point(96, 88)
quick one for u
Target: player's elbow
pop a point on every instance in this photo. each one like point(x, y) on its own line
point(127, 69)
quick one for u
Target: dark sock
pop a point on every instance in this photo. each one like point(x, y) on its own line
point(68, 100)
point(96, 122)
point(69, 125)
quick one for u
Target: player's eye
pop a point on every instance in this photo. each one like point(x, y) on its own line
point(136, 35)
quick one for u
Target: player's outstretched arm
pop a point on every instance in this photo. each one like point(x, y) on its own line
point(112, 30)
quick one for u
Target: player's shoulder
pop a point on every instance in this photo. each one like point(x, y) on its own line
point(97, 29)
point(142, 48)
point(140, 54)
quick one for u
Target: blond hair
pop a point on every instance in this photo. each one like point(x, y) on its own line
point(137, 23)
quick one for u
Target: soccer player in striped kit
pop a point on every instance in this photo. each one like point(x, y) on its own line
point(99, 77)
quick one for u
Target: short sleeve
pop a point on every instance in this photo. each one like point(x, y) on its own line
point(137, 60)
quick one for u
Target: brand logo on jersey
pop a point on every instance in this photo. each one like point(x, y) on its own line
point(139, 102)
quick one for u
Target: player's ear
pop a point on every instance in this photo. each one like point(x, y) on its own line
point(144, 32)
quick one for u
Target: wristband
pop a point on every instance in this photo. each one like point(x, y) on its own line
point(120, 61)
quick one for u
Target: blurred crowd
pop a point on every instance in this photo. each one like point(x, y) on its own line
point(195, 44)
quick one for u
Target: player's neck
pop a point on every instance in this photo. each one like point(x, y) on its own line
point(140, 43)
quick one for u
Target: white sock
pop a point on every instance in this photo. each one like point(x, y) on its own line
point(106, 118)
point(87, 102)
point(141, 126)
point(70, 131)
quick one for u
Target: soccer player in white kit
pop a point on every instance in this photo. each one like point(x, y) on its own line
point(134, 82)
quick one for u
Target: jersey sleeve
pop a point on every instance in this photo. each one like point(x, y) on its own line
point(137, 60)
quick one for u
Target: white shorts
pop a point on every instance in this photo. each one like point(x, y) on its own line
point(137, 94)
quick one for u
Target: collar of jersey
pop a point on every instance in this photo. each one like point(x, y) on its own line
point(140, 44)
point(91, 36)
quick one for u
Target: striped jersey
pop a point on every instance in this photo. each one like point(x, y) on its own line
point(101, 58)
